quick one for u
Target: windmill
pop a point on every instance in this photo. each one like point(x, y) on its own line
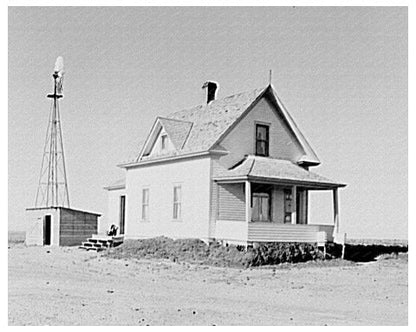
point(53, 186)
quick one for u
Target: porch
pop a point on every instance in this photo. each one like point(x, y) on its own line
point(254, 208)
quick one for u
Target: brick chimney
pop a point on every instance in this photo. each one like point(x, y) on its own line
point(211, 90)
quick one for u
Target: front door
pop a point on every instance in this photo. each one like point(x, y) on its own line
point(122, 213)
point(261, 207)
point(47, 224)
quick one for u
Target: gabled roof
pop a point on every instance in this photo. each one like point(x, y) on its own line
point(310, 155)
point(269, 169)
point(201, 128)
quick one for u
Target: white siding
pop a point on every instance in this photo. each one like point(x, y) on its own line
point(271, 232)
point(214, 189)
point(241, 140)
point(194, 177)
point(234, 232)
point(231, 202)
point(113, 210)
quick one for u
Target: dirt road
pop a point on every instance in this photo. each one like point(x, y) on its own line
point(67, 286)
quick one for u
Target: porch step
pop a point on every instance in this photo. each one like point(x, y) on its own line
point(99, 242)
point(91, 248)
point(95, 249)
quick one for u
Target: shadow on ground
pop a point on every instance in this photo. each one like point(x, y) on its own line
point(368, 253)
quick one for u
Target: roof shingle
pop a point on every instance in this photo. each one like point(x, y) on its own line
point(212, 120)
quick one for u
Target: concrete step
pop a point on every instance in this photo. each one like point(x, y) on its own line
point(99, 245)
point(100, 242)
point(95, 249)
point(105, 242)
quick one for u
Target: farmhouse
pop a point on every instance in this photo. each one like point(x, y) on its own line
point(235, 169)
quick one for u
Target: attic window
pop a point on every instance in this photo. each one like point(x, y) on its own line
point(262, 140)
point(163, 141)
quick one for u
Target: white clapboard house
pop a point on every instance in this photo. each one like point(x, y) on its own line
point(235, 169)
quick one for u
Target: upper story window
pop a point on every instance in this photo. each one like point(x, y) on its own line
point(262, 140)
point(164, 139)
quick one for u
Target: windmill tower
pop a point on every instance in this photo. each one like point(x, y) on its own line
point(53, 186)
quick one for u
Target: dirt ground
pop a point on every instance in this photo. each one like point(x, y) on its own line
point(68, 286)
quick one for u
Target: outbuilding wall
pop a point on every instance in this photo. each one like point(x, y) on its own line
point(34, 225)
point(69, 227)
point(76, 226)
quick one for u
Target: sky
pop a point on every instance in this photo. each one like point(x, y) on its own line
point(340, 71)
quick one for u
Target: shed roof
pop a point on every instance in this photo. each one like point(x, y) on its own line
point(265, 168)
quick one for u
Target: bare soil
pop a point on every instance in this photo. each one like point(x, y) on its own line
point(68, 286)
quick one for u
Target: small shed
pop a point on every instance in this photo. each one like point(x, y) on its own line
point(59, 226)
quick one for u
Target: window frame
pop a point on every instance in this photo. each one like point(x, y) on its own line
point(177, 203)
point(163, 142)
point(266, 140)
point(288, 202)
point(145, 205)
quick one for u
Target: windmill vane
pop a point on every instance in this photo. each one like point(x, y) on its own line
point(59, 64)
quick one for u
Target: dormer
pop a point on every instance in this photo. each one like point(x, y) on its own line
point(166, 137)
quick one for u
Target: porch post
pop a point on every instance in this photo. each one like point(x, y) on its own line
point(248, 201)
point(294, 204)
point(336, 210)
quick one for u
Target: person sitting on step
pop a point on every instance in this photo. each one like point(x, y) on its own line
point(113, 230)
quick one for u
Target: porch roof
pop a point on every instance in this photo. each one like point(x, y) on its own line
point(119, 184)
point(275, 170)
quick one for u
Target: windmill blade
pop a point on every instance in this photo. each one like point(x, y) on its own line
point(59, 64)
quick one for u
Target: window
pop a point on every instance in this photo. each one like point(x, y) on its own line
point(261, 207)
point(164, 140)
point(145, 204)
point(177, 197)
point(262, 140)
point(288, 206)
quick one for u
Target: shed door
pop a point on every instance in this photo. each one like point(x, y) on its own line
point(47, 224)
point(122, 213)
